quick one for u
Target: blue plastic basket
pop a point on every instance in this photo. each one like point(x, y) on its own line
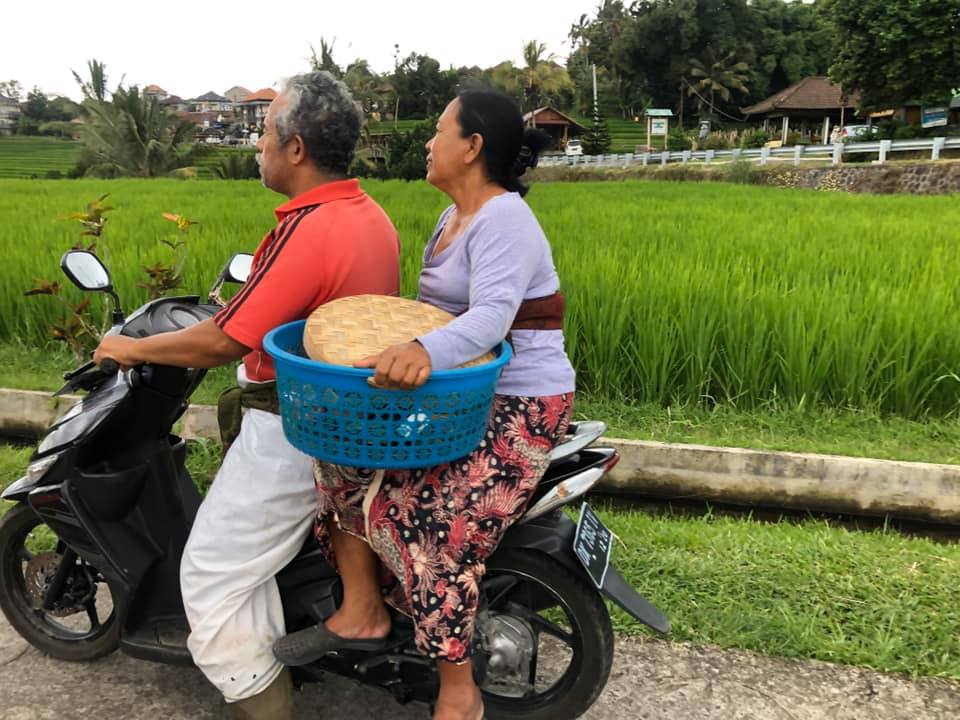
point(332, 413)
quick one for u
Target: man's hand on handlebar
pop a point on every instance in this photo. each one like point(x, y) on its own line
point(122, 350)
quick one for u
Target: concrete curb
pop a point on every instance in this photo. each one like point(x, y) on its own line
point(800, 481)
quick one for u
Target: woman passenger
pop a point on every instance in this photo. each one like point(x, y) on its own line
point(489, 263)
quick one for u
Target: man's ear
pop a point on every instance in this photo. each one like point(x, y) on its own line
point(296, 150)
point(474, 149)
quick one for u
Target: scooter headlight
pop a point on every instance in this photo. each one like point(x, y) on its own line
point(36, 470)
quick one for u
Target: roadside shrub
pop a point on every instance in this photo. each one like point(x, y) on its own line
point(677, 172)
point(754, 139)
point(716, 141)
point(740, 172)
point(898, 130)
point(678, 140)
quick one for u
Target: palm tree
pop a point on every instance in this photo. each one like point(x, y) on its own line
point(716, 76)
point(325, 61)
point(543, 80)
point(96, 87)
point(533, 57)
point(364, 84)
point(131, 134)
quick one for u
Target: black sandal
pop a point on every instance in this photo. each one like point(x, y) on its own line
point(307, 646)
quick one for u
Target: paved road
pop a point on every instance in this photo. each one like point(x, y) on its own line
point(651, 680)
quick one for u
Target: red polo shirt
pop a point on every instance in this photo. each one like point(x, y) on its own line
point(331, 242)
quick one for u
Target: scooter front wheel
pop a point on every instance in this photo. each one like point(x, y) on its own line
point(78, 622)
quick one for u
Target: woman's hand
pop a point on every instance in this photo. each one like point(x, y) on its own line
point(403, 367)
point(121, 349)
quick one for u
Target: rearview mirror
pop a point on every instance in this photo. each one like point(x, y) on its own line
point(238, 269)
point(86, 271)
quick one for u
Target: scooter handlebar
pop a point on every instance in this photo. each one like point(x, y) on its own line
point(109, 366)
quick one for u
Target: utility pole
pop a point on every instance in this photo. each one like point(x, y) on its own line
point(681, 104)
point(396, 67)
point(594, 84)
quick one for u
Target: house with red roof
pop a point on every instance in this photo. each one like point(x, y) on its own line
point(155, 91)
point(253, 108)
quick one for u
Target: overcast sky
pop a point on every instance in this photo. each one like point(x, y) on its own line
point(189, 48)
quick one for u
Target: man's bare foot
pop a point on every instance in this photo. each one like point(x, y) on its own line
point(459, 704)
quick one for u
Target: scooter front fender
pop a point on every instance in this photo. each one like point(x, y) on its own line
point(18, 491)
point(552, 535)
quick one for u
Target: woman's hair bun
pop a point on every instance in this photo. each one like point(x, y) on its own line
point(534, 142)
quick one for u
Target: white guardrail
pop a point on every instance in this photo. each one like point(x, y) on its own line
point(795, 154)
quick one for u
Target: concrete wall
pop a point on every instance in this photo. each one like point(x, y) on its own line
point(731, 475)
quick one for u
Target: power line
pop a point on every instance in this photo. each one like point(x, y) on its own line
point(712, 106)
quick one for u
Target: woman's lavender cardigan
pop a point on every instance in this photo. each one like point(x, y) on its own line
point(500, 259)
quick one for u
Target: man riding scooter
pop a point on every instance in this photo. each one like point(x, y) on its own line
point(331, 241)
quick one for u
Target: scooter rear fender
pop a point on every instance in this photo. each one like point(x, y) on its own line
point(553, 535)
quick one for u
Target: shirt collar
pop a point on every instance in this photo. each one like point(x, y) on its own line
point(327, 192)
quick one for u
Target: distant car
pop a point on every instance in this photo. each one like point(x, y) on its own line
point(574, 147)
point(853, 132)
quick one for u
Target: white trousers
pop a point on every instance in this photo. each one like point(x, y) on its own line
point(254, 520)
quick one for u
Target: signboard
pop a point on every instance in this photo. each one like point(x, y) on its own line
point(933, 116)
point(658, 126)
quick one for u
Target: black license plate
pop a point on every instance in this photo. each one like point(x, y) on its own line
point(592, 545)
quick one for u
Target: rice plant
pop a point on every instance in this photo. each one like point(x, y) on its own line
point(685, 293)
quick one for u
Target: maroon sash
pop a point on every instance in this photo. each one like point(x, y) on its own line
point(543, 313)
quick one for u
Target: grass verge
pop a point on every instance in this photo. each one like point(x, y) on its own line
point(803, 589)
point(806, 589)
point(819, 430)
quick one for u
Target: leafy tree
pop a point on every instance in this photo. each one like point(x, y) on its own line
point(407, 158)
point(40, 115)
point(11, 89)
point(643, 49)
point(422, 87)
point(620, 86)
point(32, 112)
point(791, 41)
point(507, 77)
point(894, 52)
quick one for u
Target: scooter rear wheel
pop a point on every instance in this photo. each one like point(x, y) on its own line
point(531, 601)
point(72, 629)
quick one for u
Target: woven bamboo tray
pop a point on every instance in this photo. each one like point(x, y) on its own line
point(346, 330)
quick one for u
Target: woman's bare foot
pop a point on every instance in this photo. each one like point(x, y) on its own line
point(353, 622)
point(459, 697)
point(462, 707)
point(362, 614)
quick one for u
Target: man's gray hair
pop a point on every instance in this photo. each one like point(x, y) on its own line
point(321, 110)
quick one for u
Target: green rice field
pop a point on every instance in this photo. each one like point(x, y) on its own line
point(34, 157)
point(26, 157)
point(677, 293)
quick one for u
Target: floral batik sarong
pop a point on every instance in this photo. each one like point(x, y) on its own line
point(434, 528)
